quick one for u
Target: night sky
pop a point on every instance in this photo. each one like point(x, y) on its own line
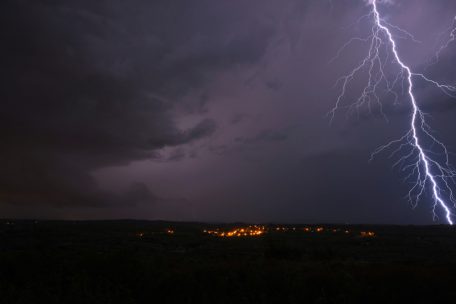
point(205, 110)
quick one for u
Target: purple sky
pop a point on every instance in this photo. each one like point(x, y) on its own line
point(205, 110)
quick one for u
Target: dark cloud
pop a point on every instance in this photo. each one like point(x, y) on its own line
point(206, 110)
point(88, 85)
point(238, 118)
point(333, 187)
point(263, 136)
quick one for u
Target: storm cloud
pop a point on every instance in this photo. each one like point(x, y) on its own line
point(88, 85)
point(203, 110)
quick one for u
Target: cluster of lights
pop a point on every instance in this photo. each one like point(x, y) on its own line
point(238, 232)
point(258, 230)
point(285, 228)
point(367, 234)
point(322, 229)
point(261, 230)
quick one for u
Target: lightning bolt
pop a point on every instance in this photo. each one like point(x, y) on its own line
point(451, 39)
point(424, 158)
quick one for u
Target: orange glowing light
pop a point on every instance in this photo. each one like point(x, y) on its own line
point(238, 232)
point(367, 234)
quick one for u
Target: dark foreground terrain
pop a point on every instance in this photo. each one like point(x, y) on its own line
point(160, 262)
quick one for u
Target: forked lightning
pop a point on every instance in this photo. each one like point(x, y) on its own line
point(423, 157)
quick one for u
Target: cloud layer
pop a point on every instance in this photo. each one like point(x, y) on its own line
point(203, 110)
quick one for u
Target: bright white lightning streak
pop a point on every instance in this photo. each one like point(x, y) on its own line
point(426, 170)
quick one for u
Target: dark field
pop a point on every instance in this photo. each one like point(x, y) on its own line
point(160, 262)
